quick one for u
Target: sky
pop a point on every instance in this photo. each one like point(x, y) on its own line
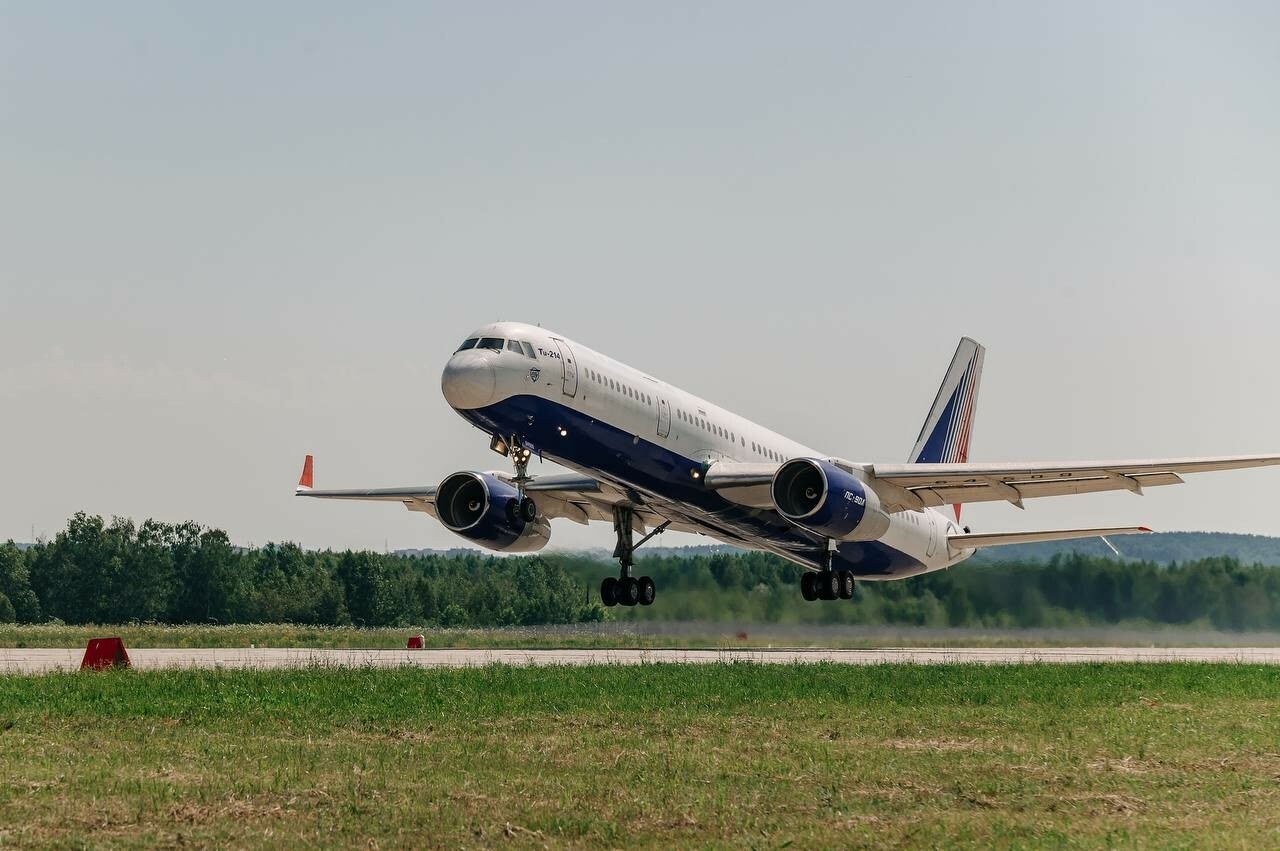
point(235, 233)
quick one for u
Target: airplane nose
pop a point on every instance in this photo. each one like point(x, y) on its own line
point(468, 381)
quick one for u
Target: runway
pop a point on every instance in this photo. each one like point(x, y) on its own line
point(40, 660)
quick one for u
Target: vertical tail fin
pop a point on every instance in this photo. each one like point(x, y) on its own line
point(944, 439)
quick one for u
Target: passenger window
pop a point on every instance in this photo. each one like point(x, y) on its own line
point(490, 343)
point(528, 350)
point(514, 346)
point(468, 344)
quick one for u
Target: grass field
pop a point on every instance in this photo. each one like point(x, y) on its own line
point(612, 635)
point(1173, 755)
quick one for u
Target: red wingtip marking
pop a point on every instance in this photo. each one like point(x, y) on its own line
point(1144, 529)
point(307, 473)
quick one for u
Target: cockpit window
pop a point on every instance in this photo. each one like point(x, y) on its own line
point(468, 343)
point(514, 346)
point(528, 350)
point(490, 343)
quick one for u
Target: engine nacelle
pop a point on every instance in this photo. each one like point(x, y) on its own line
point(482, 508)
point(823, 498)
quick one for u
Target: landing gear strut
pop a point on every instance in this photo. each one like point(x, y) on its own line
point(525, 508)
point(626, 590)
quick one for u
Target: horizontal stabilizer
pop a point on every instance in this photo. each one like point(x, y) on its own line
point(1000, 539)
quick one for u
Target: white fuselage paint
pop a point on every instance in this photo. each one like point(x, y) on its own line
point(612, 392)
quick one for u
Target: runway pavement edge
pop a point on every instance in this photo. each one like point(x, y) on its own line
point(40, 660)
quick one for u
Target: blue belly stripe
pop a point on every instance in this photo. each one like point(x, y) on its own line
point(661, 477)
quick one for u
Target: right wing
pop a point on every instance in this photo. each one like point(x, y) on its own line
point(571, 496)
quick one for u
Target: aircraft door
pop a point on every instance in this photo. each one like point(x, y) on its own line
point(570, 368)
point(664, 418)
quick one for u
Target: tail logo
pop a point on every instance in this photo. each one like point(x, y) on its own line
point(944, 439)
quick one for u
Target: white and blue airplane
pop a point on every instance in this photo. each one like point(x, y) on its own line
point(649, 457)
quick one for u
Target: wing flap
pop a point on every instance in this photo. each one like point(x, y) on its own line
point(1015, 491)
point(916, 485)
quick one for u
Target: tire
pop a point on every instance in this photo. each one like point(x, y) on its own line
point(628, 591)
point(609, 591)
point(846, 584)
point(828, 585)
point(513, 510)
point(528, 510)
point(648, 591)
point(809, 586)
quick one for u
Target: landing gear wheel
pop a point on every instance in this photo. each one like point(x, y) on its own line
point(528, 510)
point(648, 591)
point(828, 585)
point(628, 591)
point(809, 586)
point(846, 584)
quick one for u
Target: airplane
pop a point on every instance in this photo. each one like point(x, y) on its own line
point(647, 456)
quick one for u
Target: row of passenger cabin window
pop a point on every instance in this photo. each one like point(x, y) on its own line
point(520, 347)
point(767, 452)
point(703, 423)
point(619, 387)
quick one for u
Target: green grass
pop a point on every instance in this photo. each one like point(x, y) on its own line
point(1170, 755)
point(614, 635)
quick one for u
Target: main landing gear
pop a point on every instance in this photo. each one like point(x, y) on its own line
point(626, 590)
point(827, 584)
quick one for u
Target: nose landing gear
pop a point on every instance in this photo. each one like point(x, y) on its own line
point(524, 508)
point(627, 590)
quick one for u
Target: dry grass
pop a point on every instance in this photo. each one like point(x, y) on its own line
point(654, 756)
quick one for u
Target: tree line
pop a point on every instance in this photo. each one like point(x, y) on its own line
point(96, 571)
point(1066, 590)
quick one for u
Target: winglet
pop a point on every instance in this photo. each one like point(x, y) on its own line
point(307, 477)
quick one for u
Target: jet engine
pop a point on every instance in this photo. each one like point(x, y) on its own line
point(819, 496)
point(482, 508)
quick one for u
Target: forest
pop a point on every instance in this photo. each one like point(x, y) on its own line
point(115, 572)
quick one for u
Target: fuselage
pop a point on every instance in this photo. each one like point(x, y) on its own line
point(605, 419)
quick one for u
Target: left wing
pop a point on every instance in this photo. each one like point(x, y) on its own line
point(903, 487)
point(915, 486)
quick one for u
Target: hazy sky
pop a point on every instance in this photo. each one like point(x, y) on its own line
point(232, 234)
